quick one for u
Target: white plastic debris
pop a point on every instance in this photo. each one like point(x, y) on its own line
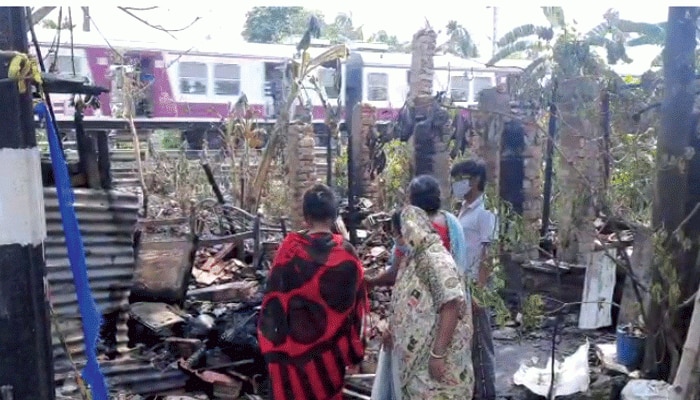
point(644, 389)
point(570, 376)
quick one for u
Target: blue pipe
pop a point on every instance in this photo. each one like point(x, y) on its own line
point(91, 317)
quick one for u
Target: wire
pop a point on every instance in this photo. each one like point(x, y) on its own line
point(97, 28)
point(52, 67)
point(47, 98)
point(72, 45)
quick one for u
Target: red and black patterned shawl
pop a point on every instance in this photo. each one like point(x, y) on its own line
point(310, 325)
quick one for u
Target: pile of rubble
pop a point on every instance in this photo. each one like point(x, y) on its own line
point(211, 335)
point(189, 328)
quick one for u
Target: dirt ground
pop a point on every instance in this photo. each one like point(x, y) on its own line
point(512, 350)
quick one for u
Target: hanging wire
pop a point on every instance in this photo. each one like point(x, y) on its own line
point(72, 49)
point(52, 67)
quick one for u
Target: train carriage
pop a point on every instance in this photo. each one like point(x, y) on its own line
point(180, 82)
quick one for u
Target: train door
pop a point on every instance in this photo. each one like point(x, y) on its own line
point(146, 79)
point(275, 88)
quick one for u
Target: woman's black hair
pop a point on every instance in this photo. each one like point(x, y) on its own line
point(424, 193)
point(319, 204)
point(396, 221)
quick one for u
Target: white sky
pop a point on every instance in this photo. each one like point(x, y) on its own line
point(224, 20)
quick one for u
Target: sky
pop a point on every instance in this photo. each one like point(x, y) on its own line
point(224, 21)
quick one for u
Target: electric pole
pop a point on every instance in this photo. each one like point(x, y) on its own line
point(494, 38)
point(26, 359)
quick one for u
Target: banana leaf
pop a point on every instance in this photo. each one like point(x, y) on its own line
point(555, 16)
point(516, 34)
point(511, 49)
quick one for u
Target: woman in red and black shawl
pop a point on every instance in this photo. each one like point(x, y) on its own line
point(311, 320)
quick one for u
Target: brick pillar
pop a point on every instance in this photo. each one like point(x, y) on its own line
point(301, 173)
point(580, 173)
point(422, 64)
point(533, 155)
point(489, 124)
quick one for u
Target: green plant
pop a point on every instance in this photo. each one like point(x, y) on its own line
point(340, 172)
point(532, 311)
point(170, 139)
point(396, 175)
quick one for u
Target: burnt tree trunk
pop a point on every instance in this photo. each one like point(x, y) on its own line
point(670, 207)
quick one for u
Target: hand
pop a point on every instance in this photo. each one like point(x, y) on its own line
point(369, 282)
point(437, 368)
point(387, 339)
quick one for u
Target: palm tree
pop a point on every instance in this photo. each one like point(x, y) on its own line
point(343, 30)
point(459, 41)
point(390, 40)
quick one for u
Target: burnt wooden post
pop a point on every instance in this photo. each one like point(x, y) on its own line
point(87, 154)
point(26, 359)
point(103, 162)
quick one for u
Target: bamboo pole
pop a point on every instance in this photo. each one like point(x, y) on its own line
point(685, 386)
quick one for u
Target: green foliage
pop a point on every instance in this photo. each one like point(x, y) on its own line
point(51, 24)
point(390, 40)
point(275, 24)
point(340, 172)
point(342, 30)
point(171, 139)
point(667, 289)
point(631, 183)
point(516, 34)
point(513, 237)
point(460, 42)
point(396, 176)
point(555, 16)
point(532, 311)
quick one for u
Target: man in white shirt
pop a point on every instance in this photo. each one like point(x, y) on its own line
point(480, 230)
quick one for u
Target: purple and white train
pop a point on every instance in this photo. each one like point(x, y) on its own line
point(188, 84)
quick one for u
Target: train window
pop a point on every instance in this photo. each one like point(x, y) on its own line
point(326, 76)
point(64, 65)
point(227, 79)
point(481, 83)
point(193, 78)
point(377, 86)
point(459, 88)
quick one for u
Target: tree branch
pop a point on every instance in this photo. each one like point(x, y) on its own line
point(128, 11)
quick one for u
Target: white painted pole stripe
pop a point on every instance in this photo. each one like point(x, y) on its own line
point(22, 219)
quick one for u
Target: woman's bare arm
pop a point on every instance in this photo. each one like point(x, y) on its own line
point(447, 323)
point(387, 278)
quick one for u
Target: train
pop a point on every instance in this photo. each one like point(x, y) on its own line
point(202, 83)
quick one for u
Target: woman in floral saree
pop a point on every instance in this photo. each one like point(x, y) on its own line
point(430, 324)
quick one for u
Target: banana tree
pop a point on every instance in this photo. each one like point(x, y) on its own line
point(645, 33)
point(301, 70)
point(544, 44)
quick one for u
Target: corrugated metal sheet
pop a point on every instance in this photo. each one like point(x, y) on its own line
point(141, 377)
point(107, 220)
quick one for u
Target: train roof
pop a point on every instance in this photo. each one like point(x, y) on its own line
point(160, 41)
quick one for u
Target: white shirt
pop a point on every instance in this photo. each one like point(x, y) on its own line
point(479, 226)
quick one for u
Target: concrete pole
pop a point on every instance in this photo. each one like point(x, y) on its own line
point(26, 362)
